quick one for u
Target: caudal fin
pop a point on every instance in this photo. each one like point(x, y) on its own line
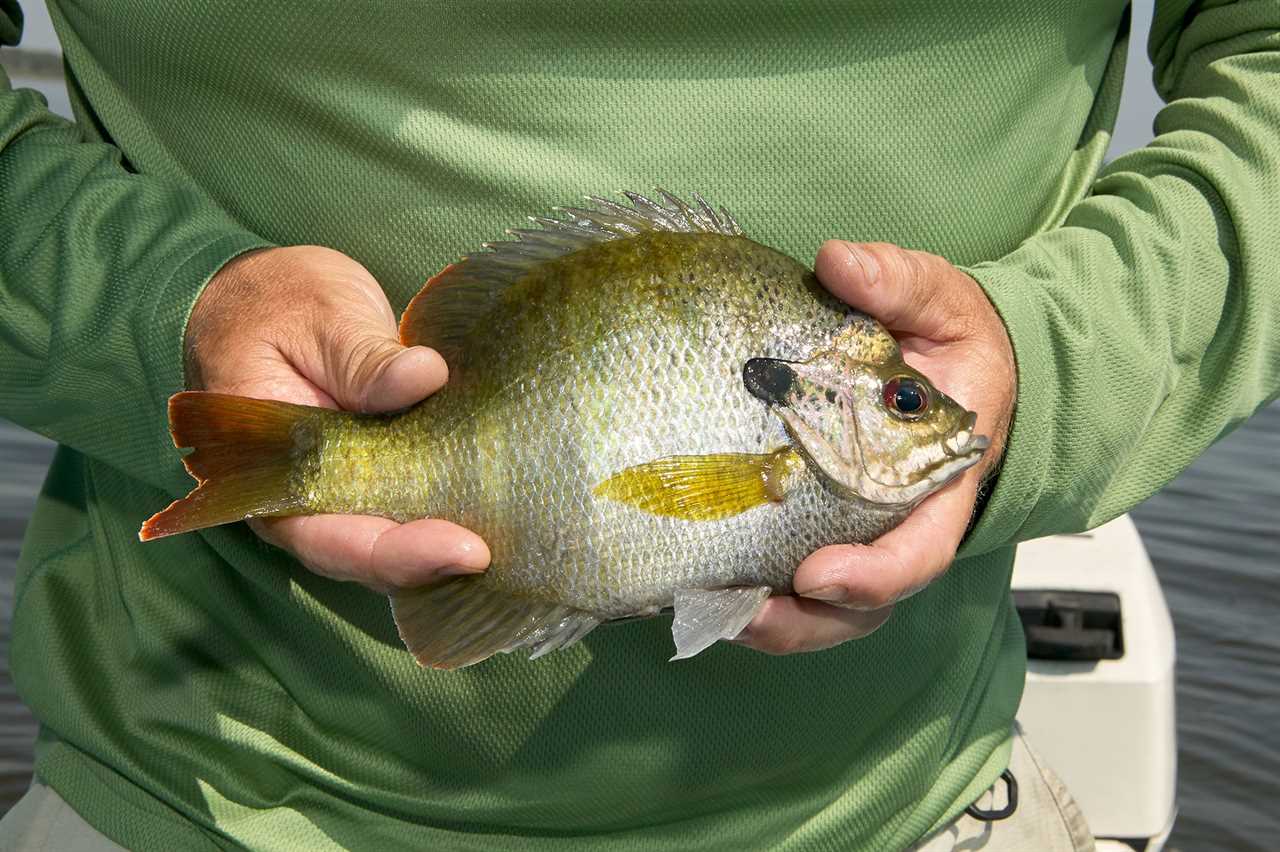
point(245, 452)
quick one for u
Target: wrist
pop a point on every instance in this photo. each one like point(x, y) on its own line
point(1015, 479)
point(219, 303)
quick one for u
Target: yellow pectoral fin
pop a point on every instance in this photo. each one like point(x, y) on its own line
point(703, 488)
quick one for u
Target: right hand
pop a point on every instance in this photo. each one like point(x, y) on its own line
point(309, 325)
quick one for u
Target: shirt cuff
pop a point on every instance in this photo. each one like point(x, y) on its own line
point(1016, 298)
point(163, 326)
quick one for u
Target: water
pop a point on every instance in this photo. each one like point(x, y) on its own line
point(1214, 536)
point(23, 460)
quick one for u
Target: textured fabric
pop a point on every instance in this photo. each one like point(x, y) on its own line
point(1147, 325)
point(1045, 818)
point(205, 691)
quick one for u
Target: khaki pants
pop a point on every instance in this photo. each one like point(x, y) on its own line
point(1046, 820)
point(43, 822)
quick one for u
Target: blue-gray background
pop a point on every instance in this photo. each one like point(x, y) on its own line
point(1213, 535)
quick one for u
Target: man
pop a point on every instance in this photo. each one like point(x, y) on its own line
point(212, 690)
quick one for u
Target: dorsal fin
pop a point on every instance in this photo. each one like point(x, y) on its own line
point(448, 306)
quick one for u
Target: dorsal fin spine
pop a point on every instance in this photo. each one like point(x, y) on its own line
point(478, 280)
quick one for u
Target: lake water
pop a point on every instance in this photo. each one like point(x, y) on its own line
point(1214, 536)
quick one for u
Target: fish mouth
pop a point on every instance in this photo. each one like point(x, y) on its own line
point(960, 452)
point(964, 443)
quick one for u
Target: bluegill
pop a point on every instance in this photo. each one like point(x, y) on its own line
point(646, 410)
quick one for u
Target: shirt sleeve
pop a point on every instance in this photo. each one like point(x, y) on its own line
point(1147, 325)
point(99, 269)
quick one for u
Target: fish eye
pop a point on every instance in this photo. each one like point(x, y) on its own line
point(906, 397)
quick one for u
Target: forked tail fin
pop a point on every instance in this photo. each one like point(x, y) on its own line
point(245, 452)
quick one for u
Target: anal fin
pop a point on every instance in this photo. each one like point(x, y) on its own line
point(704, 616)
point(463, 620)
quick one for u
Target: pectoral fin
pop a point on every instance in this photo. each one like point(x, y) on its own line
point(705, 615)
point(703, 488)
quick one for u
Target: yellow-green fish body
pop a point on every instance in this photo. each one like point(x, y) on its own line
point(645, 409)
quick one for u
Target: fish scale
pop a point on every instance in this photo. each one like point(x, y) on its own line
point(600, 405)
point(601, 432)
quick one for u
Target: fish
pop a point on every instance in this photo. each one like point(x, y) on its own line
point(647, 410)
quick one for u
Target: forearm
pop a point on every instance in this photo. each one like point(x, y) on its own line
point(1148, 324)
point(99, 269)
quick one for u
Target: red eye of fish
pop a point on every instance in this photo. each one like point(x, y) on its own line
point(906, 397)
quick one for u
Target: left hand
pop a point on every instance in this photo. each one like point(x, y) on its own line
point(949, 331)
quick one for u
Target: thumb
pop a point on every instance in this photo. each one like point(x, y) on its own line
point(366, 369)
point(906, 290)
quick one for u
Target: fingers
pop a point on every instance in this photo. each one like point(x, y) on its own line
point(377, 552)
point(399, 378)
point(896, 565)
point(908, 291)
point(846, 592)
point(945, 322)
point(359, 361)
point(308, 324)
point(788, 625)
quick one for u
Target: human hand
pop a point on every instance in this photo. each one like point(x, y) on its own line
point(949, 331)
point(309, 325)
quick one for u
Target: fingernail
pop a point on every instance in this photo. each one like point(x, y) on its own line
point(405, 356)
point(830, 594)
point(411, 358)
point(866, 264)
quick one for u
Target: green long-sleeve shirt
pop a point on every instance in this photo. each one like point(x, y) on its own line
point(206, 691)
